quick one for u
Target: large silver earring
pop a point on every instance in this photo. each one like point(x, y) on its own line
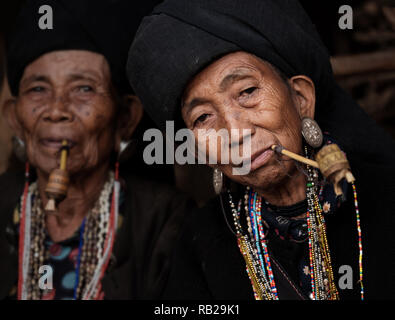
point(125, 150)
point(19, 148)
point(311, 132)
point(218, 179)
point(123, 145)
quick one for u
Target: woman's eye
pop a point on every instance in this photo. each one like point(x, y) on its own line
point(248, 91)
point(37, 89)
point(201, 119)
point(85, 89)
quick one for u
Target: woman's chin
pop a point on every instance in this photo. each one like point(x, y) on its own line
point(47, 164)
point(263, 178)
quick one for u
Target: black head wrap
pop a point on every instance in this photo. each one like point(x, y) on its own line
point(182, 37)
point(106, 27)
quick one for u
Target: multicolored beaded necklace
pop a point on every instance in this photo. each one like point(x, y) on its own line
point(253, 245)
point(97, 236)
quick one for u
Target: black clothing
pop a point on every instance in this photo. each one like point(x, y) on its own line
point(152, 214)
point(207, 263)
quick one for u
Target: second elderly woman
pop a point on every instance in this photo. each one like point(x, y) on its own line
point(110, 235)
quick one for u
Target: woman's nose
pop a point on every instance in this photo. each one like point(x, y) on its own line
point(238, 125)
point(58, 111)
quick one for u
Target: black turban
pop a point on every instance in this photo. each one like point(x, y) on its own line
point(180, 38)
point(106, 27)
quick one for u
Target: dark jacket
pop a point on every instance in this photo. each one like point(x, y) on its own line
point(207, 263)
point(152, 214)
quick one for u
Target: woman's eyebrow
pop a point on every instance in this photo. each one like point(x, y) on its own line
point(84, 75)
point(234, 76)
point(193, 103)
point(35, 77)
point(80, 75)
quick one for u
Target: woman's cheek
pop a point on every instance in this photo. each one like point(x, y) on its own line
point(102, 144)
point(290, 134)
point(91, 153)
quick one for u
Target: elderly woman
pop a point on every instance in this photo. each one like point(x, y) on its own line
point(284, 230)
point(110, 236)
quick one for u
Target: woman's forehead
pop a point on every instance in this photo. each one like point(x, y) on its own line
point(232, 62)
point(227, 70)
point(68, 64)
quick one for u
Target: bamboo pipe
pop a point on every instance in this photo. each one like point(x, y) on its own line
point(331, 161)
point(63, 156)
point(295, 156)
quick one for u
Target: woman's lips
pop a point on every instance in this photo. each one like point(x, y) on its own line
point(260, 158)
point(55, 143)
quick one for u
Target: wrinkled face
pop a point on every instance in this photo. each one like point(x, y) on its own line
point(66, 95)
point(240, 91)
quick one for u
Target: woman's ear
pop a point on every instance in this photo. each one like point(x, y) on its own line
point(9, 114)
point(129, 117)
point(304, 92)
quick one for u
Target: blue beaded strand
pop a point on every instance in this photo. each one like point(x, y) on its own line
point(252, 213)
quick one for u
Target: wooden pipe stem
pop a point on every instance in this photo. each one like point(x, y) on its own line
point(63, 156)
point(295, 156)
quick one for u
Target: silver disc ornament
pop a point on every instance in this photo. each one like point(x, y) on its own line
point(312, 132)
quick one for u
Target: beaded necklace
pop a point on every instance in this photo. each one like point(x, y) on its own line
point(254, 249)
point(261, 285)
point(97, 236)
